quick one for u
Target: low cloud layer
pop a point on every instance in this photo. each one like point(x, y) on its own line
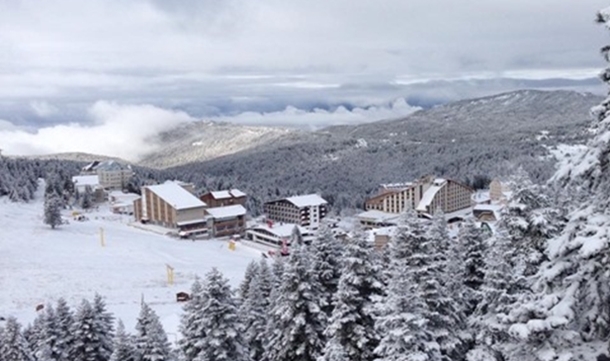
point(128, 131)
point(123, 131)
point(318, 118)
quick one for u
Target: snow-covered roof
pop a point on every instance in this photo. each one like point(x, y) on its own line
point(233, 193)
point(110, 165)
point(220, 194)
point(176, 196)
point(488, 207)
point(226, 212)
point(282, 230)
point(396, 185)
point(378, 216)
point(237, 193)
point(439, 181)
point(429, 194)
point(91, 166)
point(480, 196)
point(306, 200)
point(86, 180)
point(496, 209)
point(385, 231)
point(124, 197)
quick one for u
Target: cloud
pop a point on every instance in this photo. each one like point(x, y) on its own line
point(318, 118)
point(43, 109)
point(128, 131)
point(5, 125)
point(123, 131)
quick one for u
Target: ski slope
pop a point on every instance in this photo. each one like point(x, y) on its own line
point(39, 264)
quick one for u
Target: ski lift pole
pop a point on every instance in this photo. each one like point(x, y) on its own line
point(102, 241)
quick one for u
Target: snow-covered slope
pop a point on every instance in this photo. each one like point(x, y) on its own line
point(39, 265)
point(199, 141)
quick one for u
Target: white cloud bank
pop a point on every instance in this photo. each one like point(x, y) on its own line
point(119, 131)
point(127, 131)
point(319, 118)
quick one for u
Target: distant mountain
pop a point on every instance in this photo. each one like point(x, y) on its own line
point(204, 140)
point(464, 140)
point(77, 157)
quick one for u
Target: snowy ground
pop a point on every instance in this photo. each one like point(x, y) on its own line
point(39, 265)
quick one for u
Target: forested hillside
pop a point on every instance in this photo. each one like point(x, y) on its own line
point(470, 141)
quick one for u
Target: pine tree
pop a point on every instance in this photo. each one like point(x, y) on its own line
point(433, 273)
point(191, 326)
point(224, 331)
point(251, 272)
point(503, 286)
point(351, 331)
point(277, 270)
point(52, 210)
point(86, 200)
point(123, 347)
point(65, 321)
point(34, 333)
point(402, 323)
point(105, 326)
point(472, 242)
point(13, 346)
point(530, 220)
point(572, 287)
point(326, 252)
point(88, 336)
point(296, 324)
point(255, 311)
point(50, 339)
point(296, 238)
point(150, 339)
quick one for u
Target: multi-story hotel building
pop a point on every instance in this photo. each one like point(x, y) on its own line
point(426, 195)
point(306, 211)
point(112, 175)
point(171, 205)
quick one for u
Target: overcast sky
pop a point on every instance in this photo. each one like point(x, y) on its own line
point(218, 59)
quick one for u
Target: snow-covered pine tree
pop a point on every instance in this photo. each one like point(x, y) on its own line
point(244, 286)
point(13, 346)
point(191, 326)
point(105, 324)
point(351, 330)
point(123, 347)
point(472, 244)
point(404, 330)
point(86, 331)
point(326, 252)
point(86, 199)
point(224, 339)
point(254, 311)
point(530, 220)
point(296, 322)
point(65, 320)
point(33, 333)
point(503, 285)
point(573, 287)
point(50, 339)
point(296, 238)
point(432, 272)
point(265, 278)
point(150, 339)
point(52, 210)
point(277, 271)
point(448, 251)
